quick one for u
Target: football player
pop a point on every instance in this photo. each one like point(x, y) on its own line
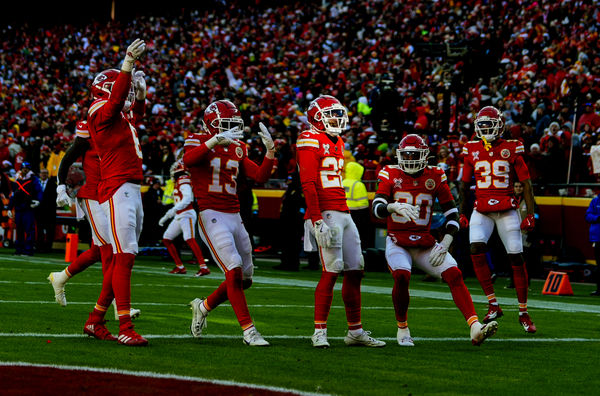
point(88, 206)
point(494, 162)
point(214, 160)
point(119, 105)
point(405, 195)
point(328, 224)
point(184, 221)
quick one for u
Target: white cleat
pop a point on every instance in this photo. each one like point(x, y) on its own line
point(480, 333)
point(199, 314)
point(363, 339)
point(133, 313)
point(404, 338)
point(253, 338)
point(319, 339)
point(58, 280)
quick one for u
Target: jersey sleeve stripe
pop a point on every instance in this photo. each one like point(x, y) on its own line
point(465, 150)
point(444, 178)
point(95, 107)
point(192, 142)
point(82, 133)
point(519, 149)
point(307, 143)
point(384, 175)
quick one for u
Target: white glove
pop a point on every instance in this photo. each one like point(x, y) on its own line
point(322, 233)
point(10, 214)
point(438, 253)
point(134, 51)
point(139, 83)
point(266, 137)
point(62, 198)
point(34, 203)
point(166, 217)
point(410, 212)
point(225, 138)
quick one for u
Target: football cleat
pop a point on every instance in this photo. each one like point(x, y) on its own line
point(404, 338)
point(494, 312)
point(199, 314)
point(363, 339)
point(130, 337)
point(480, 333)
point(178, 270)
point(527, 324)
point(58, 280)
point(202, 271)
point(253, 338)
point(319, 339)
point(98, 331)
point(133, 313)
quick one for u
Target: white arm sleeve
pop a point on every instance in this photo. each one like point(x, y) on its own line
point(187, 197)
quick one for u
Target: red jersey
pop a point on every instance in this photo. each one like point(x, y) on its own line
point(115, 138)
point(214, 172)
point(420, 190)
point(91, 165)
point(495, 171)
point(178, 195)
point(321, 161)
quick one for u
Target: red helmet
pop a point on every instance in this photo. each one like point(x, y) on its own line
point(103, 83)
point(177, 169)
point(221, 116)
point(327, 114)
point(412, 154)
point(489, 123)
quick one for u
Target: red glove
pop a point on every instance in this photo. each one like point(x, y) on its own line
point(528, 223)
point(464, 222)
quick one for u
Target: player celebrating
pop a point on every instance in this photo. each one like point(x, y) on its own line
point(407, 192)
point(328, 221)
point(215, 159)
point(495, 161)
point(118, 105)
point(184, 221)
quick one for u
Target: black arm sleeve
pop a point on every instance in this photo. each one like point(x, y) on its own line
point(380, 203)
point(75, 150)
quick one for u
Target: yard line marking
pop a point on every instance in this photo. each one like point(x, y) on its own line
point(161, 375)
point(307, 337)
point(76, 283)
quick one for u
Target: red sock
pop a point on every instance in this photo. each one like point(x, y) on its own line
point(351, 297)
point(521, 285)
point(173, 252)
point(217, 297)
point(84, 260)
point(121, 283)
point(323, 298)
point(106, 294)
point(484, 276)
point(235, 293)
point(197, 251)
point(460, 294)
point(400, 294)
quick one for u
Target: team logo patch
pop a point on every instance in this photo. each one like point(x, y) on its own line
point(476, 155)
point(493, 202)
point(505, 153)
point(398, 183)
point(414, 237)
point(239, 152)
point(430, 184)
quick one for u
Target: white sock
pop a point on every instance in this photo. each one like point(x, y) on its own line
point(356, 332)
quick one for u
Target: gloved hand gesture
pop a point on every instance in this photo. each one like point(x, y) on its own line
point(225, 138)
point(322, 233)
point(410, 212)
point(438, 253)
point(170, 213)
point(266, 137)
point(528, 223)
point(62, 198)
point(139, 83)
point(134, 51)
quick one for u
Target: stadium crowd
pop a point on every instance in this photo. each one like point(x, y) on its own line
point(385, 60)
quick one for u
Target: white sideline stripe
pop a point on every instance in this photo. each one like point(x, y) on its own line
point(75, 283)
point(292, 337)
point(160, 375)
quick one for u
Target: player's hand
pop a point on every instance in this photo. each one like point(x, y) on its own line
point(62, 198)
point(528, 223)
point(322, 233)
point(170, 213)
point(10, 214)
point(410, 212)
point(34, 203)
point(139, 83)
point(266, 137)
point(134, 52)
point(463, 221)
point(439, 251)
point(225, 138)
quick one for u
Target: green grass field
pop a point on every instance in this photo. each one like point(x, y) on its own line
point(561, 359)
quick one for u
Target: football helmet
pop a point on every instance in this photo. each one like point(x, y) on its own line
point(327, 114)
point(489, 123)
point(103, 83)
point(221, 116)
point(177, 169)
point(412, 154)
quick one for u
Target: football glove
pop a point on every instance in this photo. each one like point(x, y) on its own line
point(10, 214)
point(170, 213)
point(134, 51)
point(463, 221)
point(410, 212)
point(225, 138)
point(266, 137)
point(528, 223)
point(139, 83)
point(438, 253)
point(62, 198)
point(322, 233)
point(34, 203)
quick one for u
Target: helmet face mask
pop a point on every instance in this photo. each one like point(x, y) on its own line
point(221, 116)
point(327, 114)
point(412, 154)
point(489, 123)
point(177, 169)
